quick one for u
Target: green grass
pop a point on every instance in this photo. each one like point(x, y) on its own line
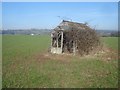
point(25, 65)
point(111, 42)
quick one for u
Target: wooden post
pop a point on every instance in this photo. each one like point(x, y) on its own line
point(62, 40)
point(74, 48)
point(51, 41)
point(57, 42)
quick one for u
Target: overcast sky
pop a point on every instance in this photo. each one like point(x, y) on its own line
point(26, 15)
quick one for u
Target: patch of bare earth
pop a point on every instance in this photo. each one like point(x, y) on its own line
point(42, 57)
point(105, 54)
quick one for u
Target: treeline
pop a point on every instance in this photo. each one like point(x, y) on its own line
point(108, 33)
point(116, 34)
point(113, 34)
point(103, 33)
point(26, 32)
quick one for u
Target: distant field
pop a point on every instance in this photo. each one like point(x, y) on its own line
point(27, 63)
point(111, 42)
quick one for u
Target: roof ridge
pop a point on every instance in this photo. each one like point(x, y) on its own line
point(72, 22)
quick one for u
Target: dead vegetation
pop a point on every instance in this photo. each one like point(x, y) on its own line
point(86, 40)
point(78, 38)
point(104, 53)
point(48, 56)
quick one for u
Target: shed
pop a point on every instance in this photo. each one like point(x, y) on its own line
point(66, 37)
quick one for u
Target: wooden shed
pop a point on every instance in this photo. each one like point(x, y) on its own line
point(63, 37)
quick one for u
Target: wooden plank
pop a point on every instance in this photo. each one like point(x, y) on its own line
point(61, 41)
point(57, 42)
point(74, 48)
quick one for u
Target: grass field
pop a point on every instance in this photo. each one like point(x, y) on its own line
point(111, 42)
point(27, 63)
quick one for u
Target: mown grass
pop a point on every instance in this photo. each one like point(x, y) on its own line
point(26, 63)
